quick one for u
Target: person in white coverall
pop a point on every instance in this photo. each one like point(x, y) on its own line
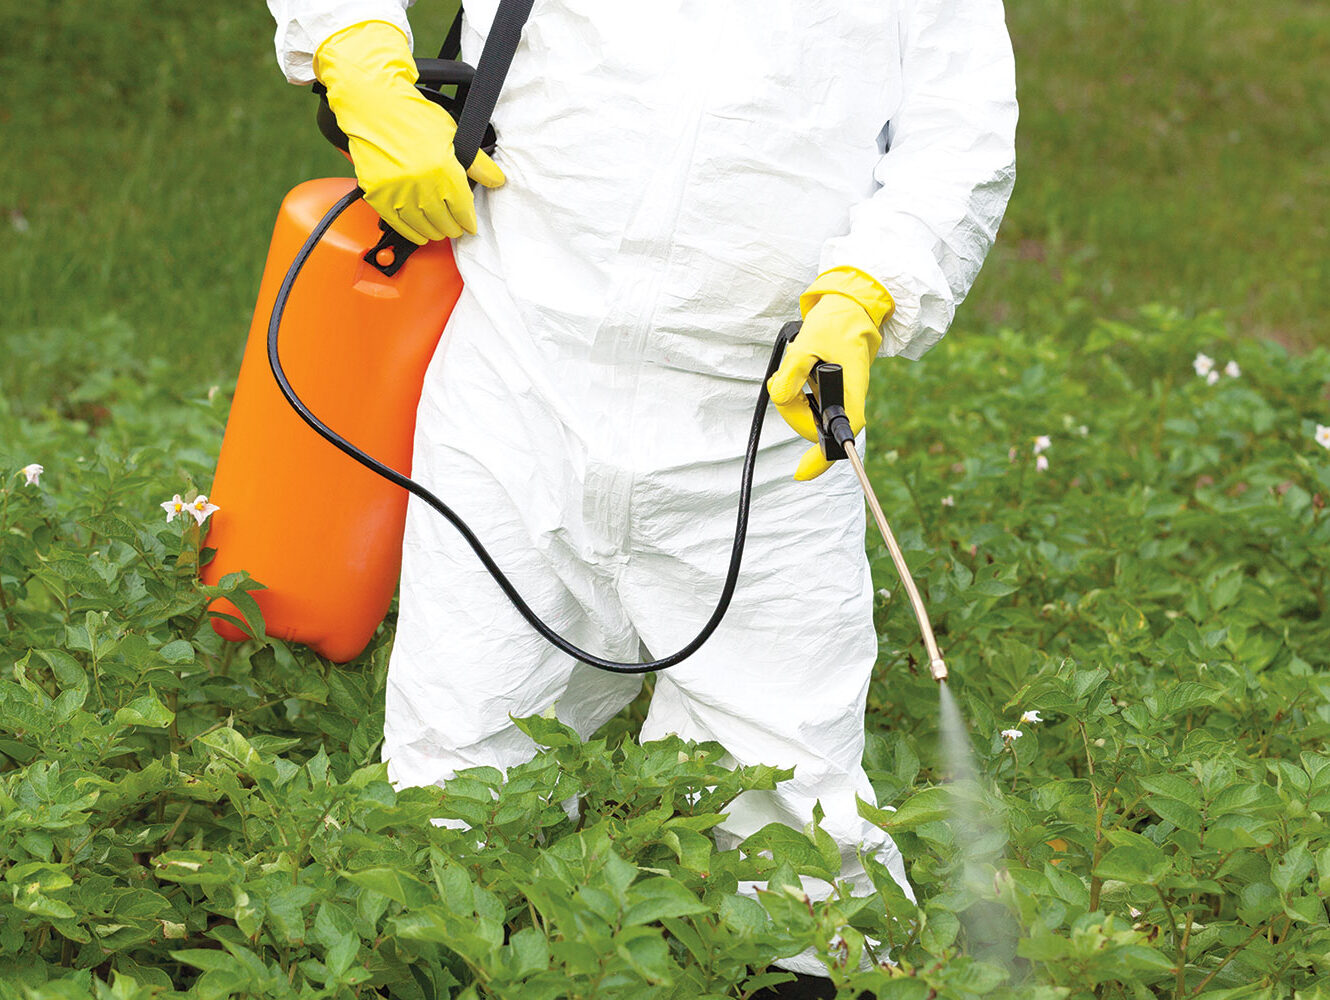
point(682, 178)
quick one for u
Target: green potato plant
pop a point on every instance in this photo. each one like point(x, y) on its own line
point(1126, 562)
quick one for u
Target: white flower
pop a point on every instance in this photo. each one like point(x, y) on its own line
point(1041, 463)
point(1042, 443)
point(1232, 370)
point(200, 508)
point(1083, 431)
point(1031, 716)
point(1011, 735)
point(32, 474)
point(948, 501)
point(1203, 364)
point(1211, 377)
point(1323, 435)
point(173, 507)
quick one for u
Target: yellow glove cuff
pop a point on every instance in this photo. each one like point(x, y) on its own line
point(367, 49)
point(854, 284)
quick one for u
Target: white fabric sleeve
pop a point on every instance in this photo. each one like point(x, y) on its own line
point(947, 173)
point(304, 25)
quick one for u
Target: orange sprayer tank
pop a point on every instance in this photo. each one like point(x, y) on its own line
point(320, 531)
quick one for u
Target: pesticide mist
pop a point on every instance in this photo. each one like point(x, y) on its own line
point(980, 841)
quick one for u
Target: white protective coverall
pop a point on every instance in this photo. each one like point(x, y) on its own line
point(677, 173)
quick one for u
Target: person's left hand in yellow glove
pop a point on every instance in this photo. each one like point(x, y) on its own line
point(401, 143)
point(843, 312)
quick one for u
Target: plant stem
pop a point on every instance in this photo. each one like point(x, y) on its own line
point(4, 606)
point(176, 826)
point(1096, 883)
point(1227, 958)
point(1182, 957)
point(231, 717)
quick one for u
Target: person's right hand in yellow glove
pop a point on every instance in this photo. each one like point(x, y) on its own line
point(400, 142)
point(843, 311)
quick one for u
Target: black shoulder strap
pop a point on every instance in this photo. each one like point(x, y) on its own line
point(495, 58)
point(452, 45)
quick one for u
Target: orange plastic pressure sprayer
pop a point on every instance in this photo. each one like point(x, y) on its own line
point(321, 532)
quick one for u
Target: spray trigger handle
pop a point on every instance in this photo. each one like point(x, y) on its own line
point(826, 398)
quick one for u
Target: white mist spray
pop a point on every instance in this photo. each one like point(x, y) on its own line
point(980, 839)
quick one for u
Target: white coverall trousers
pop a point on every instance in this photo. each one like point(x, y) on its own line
point(678, 172)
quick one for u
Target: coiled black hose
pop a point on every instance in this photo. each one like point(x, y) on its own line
point(506, 585)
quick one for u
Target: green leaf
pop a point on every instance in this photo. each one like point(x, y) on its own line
point(645, 950)
point(790, 846)
point(655, 898)
point(207, 868)
point(528, 953)
point(1308, 909)
point(548, 732)
point(1137, 863)
point(207, 959)
point(67, 670)
point(1140, 957)
point(1173, 786)
point(231, 745)
point(145, 711)
point(394, 884)
point(236, 588)
point(1323, 870)
point(1183, 816)
point(939, 929)
point(1290, 871)
point(692, 848)
point(30, 899)
point(1258, 902)
point(429, 923)
point(744, 915)
point(926, 806)
point(340, 956)
point(47, 877)
point(177, 652)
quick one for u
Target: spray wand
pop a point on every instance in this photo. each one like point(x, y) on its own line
point(826, 398)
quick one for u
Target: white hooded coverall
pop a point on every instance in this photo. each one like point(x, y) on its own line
point(677, 173)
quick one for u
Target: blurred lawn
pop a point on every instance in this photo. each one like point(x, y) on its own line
point(1170, 150)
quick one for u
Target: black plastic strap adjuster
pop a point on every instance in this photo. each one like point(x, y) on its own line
point(389, 254)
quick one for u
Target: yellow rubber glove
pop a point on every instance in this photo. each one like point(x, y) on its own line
point(401, 143)
point(843, 311)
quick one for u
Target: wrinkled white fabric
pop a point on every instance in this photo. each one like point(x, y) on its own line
point(677, 173)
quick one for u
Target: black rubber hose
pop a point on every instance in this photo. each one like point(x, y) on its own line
point(506, 585)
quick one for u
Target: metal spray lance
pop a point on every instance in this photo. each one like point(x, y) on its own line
point(826, 398)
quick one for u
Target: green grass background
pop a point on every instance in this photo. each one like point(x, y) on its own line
point(1169, 150)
